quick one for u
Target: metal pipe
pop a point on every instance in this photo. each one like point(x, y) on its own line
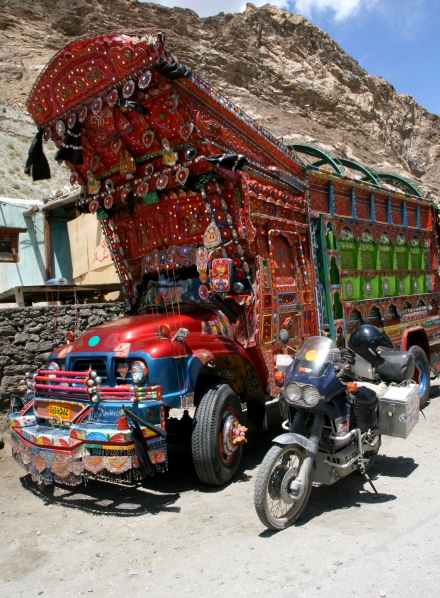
point(297, 423)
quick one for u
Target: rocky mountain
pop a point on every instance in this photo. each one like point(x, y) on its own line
point(282, 70)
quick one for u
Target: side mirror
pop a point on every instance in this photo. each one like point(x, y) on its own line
point(284, 336)
point(181, 335)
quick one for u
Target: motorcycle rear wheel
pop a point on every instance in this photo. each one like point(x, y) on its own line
point(272, 510)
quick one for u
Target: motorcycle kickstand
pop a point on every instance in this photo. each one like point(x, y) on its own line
point(367, 477)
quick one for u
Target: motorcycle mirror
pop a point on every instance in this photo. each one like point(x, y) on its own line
point(284, 336)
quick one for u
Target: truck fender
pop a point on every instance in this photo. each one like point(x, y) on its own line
point(416, 336)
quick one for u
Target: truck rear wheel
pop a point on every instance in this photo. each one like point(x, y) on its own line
point(217, 439)
point(422, 373)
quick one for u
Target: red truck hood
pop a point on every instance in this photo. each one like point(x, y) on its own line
point(137, 330)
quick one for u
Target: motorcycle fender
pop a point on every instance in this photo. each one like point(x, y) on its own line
point(302, 441)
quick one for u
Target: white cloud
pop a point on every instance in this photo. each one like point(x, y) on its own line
point(208, 8)
point(341, 9)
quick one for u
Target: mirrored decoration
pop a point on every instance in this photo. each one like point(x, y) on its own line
point(60, 127)
point(97, 105)
point(190, 154)
point(109, 185)
point(112, 97)
point(47, 133)
point(149, 169)
point(82, 114)
point(71, 120)
point(145, 79)
point(108, 201)
point(128, 89)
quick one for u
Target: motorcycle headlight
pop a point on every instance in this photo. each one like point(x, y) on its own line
point(139, 372)
point(293, 392)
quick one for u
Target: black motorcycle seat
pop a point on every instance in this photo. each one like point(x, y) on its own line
point(398, 366)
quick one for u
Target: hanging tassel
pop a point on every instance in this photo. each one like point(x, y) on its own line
point(37, 161)
point(71, 148)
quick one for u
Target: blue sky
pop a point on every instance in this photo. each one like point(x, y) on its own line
point(396, 39)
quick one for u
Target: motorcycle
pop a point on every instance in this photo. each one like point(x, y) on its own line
point(334, 417)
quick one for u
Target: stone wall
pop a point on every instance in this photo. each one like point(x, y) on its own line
point(27, 334)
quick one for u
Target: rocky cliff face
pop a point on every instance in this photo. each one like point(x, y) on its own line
point(278, 67)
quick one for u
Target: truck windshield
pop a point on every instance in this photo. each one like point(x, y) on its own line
point(173, 288)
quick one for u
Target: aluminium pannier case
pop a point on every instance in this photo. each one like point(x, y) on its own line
point(399, 410)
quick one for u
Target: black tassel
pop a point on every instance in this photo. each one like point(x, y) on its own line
point(37, 162)
point(133, 106)
point(71, 148)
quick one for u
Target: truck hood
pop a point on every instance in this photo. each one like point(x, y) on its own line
point(137, 330)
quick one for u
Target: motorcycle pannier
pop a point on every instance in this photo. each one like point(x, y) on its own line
point(399, 410)
point(365, 408)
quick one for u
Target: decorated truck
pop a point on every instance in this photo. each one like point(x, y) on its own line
point(222, 236)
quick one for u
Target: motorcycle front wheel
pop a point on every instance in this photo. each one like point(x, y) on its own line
point(275, 508)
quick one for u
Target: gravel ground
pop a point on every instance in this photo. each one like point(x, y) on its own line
point(177, 537)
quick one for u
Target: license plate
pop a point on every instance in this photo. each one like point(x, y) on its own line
point(60, 411)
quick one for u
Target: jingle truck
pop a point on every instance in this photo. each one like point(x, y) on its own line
point(222, 236)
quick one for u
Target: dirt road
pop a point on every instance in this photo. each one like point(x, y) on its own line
point(178, 538)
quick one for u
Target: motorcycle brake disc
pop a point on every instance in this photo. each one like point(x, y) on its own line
point(291, 475)
point(274, 487)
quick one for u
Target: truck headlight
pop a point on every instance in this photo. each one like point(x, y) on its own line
point(139, 372)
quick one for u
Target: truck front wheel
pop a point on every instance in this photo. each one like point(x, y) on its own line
point(218, 435)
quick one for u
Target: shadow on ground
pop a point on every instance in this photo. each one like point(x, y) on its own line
point(160, 493)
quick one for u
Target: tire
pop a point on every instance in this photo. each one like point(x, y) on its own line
point(262, 497)
point(213, 464)
point(422, 373)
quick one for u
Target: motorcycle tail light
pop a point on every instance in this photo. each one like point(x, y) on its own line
point(352, 386)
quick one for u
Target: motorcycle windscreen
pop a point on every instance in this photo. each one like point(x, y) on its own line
point(314, 357)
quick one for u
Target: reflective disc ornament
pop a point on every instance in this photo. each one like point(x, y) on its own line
point(148, 138)
point(203, 292)
point(112, 97)
point(144, 79)
point(190, 154)
point(116, 146)
point(82, 114)
point(172, 103)
point(128, 89)
point(93, 206)
point(142, 189)
point(96, 105)
point(108, 201)
point(149, 169)
point(124, 194)
point(73, 179)
point(60, 127)
point(71, 120)
point(182, 175)
point(47, 133)
point(186, 130)
point(162, 181)
point(109, 185)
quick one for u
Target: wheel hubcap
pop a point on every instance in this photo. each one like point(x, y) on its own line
point(234, 434)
